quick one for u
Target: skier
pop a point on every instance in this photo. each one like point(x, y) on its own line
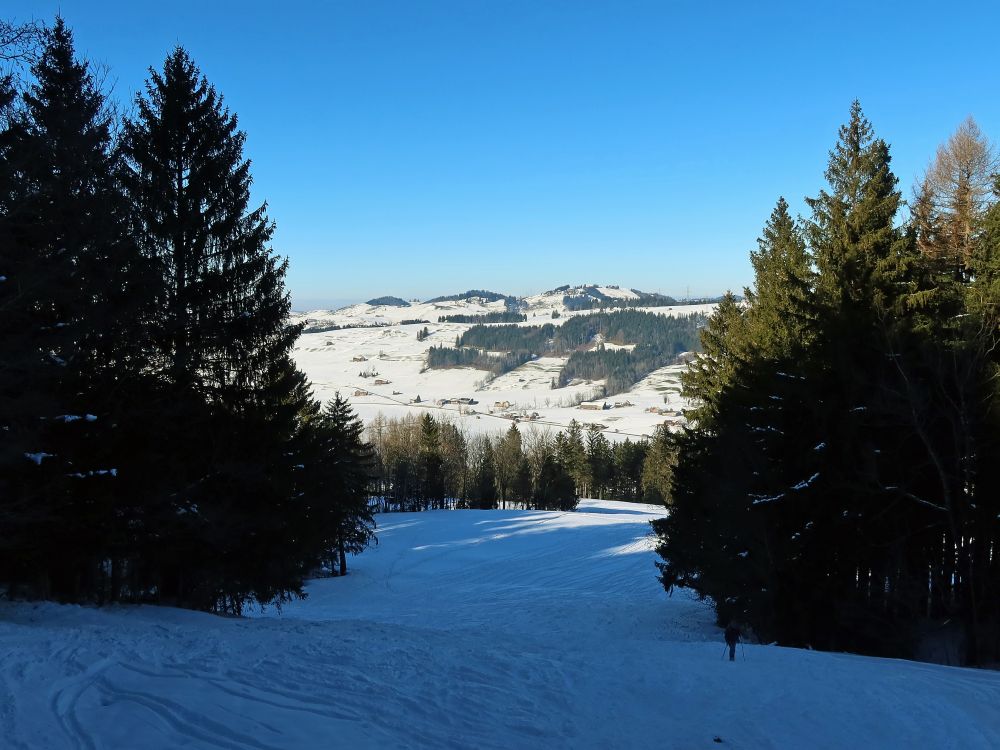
point(732, 638)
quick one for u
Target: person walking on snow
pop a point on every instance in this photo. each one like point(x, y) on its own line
point(732, 638)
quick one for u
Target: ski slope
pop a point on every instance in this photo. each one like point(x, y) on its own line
point(467, 629)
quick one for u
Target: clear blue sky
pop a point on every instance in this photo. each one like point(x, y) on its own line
point(420, 147)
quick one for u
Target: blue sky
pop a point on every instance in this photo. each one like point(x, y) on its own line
point(423, 148)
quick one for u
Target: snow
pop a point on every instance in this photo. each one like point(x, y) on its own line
point(806, 482)
point(467, 629)
point(392, 350)
point(758, 499)
point(94, 473)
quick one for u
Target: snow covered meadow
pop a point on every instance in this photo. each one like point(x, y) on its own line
point(334, 360)
point(467, 629)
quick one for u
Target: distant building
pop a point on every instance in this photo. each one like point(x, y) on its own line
point(592, 407)
point(360, 392)
point(359, 358)
point(501, 404)
point(379, 381)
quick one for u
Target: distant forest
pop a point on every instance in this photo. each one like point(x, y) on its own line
point(323, 327)
point(388, 302)
point(444, 357)
point(477, 293)
point(593, 298)
point(658, 340)
point(490, 317)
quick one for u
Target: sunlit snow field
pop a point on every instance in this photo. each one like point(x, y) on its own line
point(335, 361)
point(467, 629)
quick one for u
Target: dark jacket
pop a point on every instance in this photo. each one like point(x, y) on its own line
point(732, 634)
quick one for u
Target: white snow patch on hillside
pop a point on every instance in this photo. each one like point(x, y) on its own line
point(467, 629)
point(337, 360)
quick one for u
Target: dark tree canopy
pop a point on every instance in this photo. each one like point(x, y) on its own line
point(836, 485)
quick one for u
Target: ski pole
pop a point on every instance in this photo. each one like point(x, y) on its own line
point(743, 651)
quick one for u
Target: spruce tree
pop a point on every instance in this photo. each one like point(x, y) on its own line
point(507, 458)
point(338, 479)
point(554, 489)
point(454, 462)
point(572, 456)
point(657, 469)
point(599, 460)
point(222, 344)
point(68, 302)
point(484, 486)
point(779, 304)
point(818, 494)
point(430, 464)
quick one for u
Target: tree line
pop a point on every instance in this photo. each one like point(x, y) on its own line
point(498, 316)
point(481, 294)
point(425, 464)
point(444, 357)
point(593, 298)
point(839, 483)
point(157, 443)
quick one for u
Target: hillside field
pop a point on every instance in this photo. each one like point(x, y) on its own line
point(373, 341)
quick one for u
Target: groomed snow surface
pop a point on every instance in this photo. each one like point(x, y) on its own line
point(467, 629)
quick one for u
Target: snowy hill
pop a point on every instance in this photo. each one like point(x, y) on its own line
point(468, 629)
point(390, 310)
point(367, 314)
point(339, 346)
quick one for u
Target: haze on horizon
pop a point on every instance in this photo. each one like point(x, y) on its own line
point(424, 149)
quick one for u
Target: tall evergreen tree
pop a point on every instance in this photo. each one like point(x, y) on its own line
point(599, 460)
point(430, 464)
point(338, 480)
point(454, 462)
point(484, 485)
point(69, 343)
point(221, 342)
point(657, 469)
point(507, 458)
point(830, 489)
point(571, 454)
point(554, 489)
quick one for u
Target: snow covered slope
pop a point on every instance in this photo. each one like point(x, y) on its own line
point(364, 314)
point(336, 360)
point(467, 629)
point(537, 306)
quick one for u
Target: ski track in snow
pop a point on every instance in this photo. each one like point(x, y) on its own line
point(467, 629)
